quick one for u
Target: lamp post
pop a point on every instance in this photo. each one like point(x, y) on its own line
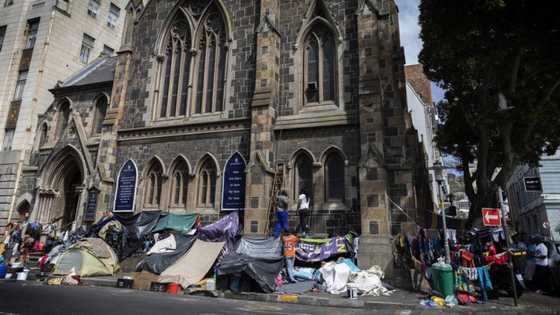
point(438, 174)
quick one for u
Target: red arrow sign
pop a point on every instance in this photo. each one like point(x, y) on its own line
point(491, 217)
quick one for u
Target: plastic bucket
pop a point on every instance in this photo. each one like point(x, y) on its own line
point(211, 285)
point(352, 292)
point(173, 288)
point(22, 276)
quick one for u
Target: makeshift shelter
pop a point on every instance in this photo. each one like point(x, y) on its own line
point(158, 262)
point(270, 248)
point(226, 229)
point(194, 265)
point(262, 271)
point(88, 257)
point(181, 223)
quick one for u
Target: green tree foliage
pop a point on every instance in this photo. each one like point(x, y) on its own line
point(499, 63)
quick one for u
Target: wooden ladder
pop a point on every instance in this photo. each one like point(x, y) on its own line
point(276, 185)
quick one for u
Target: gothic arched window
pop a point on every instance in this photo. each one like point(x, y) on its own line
point(179, 185)
point(152, 194)
point(207, 177)
point(319, 60)
point(303, 175)
point(99, 114)
point(62, 118)
point(44, 135)
point(211, 63)
point(334, 176)
point(176, 70)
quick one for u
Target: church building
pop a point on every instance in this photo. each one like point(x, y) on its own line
point(211, 106)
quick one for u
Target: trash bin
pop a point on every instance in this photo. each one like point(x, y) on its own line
point(442, 279)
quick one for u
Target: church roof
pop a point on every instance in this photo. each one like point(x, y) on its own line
point(98, 71)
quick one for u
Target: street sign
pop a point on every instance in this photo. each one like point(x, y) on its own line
point(491, 217)
point(532, 184)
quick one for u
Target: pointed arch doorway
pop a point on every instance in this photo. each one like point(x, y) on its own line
point(62, 191)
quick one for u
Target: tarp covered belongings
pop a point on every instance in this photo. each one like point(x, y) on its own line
point(369, 282)
point(225, 229)
point(335, 277)
point(140, 224)
point(166, 245)
point(181, 223)
point(158, 262)
point(194, 265)
point(270, 248)
point(263, 271)
point(313, 250)
point(88, 257)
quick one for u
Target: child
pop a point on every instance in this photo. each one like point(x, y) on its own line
point(290, 242)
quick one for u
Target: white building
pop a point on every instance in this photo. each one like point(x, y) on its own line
point(41, 43)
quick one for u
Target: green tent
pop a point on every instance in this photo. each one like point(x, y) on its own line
point(182, 223)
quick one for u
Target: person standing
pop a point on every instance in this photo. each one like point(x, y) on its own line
point(541, 277)
point(281, 213)
point(303, 211)
point(290, 243)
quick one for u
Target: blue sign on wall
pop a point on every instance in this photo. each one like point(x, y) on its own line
point(127, 181)
point(233, 192)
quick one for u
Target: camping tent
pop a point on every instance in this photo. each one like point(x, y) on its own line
point(88, 257)
point(194, 265)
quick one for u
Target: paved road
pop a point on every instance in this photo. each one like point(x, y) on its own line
point(34, 298)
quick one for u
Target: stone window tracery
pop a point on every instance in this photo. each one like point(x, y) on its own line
point(319, 60)
point(176, 71)
point(334, 176)
point(99, 114)
point(62, 118)
point(152, 194)
point(211, 60)
point(179, 186)
point(303, 174)
point(207, 184)
point(44, 136)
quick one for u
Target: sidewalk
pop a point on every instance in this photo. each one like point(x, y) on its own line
point(399, 300)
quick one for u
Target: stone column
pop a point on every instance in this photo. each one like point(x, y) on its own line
point(260, 171)
point(375, 248)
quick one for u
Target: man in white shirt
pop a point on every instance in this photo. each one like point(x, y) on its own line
point(303, 211)
point(541, 277)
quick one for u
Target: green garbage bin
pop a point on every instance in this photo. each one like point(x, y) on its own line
point(443, 279)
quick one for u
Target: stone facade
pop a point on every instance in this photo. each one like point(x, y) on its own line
point(312, 91)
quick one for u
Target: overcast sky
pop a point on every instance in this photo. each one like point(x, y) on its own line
point(410, 39)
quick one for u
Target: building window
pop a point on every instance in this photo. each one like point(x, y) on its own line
point(153, 186)
point(93, 7)
point(113, 17)
point(2, 35)
point(31, 31)
point(334, 176)
point(211, 64)
point(303, 176)
point(87, 46)
point(207, 184)
point(107, 51)
point(176, 70)
point(62, 118)
point(8, 139)
point(99, 116)
point(63, 5)
point(8, 3)
point(180, 185)
point(20, 85)
point(44, 135)
point(319, 66)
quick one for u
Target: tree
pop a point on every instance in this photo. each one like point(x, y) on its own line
point(499, 63)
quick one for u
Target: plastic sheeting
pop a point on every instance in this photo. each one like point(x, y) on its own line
point(335, 277)
point(194, 265)
point(181, 223)
point(140, 224)
point(157, 263)
point(166, 245)
point(369, 282)
point(226, 229)
point(263, 271)
point(270, 248)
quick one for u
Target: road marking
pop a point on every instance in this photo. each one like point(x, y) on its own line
point(405, 312)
